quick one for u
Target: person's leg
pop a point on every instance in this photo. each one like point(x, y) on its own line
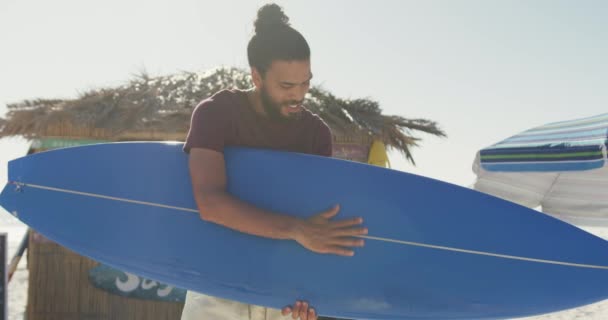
point(202, 307)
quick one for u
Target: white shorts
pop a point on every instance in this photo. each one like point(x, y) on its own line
point(202, 307)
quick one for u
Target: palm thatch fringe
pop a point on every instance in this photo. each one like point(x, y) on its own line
point(160, 108)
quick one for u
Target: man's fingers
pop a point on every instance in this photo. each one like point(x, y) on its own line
point(304, 312)
point(349, 232)
point(348, 242)
point(301, 310)
point(337, 250)
point(312, 314)
point(331, 212)
point(296, 310)
point(346, 223)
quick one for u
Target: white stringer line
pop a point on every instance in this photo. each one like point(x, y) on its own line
point(483, 253)
point(409, 243)
point(94, 195)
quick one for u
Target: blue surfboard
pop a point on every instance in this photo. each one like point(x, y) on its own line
point(434, 250)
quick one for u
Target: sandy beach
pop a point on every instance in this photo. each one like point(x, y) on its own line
point(17, 288)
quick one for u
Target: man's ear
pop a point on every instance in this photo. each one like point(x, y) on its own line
point(256, 76)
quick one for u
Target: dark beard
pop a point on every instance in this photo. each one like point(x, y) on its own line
point(273, 110)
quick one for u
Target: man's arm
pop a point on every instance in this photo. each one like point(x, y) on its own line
point(318, 234)
point(207, 170)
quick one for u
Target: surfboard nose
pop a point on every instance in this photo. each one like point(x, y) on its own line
point(7, 199)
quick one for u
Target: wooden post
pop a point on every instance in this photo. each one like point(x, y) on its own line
point(12, 266)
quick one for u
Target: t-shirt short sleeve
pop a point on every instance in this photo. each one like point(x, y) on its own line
point(208, 127)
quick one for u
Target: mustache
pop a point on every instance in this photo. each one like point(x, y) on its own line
point(294, 102)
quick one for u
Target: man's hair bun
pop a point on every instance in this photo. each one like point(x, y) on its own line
point(270, 17)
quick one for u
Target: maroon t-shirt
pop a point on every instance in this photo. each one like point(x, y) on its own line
point(228, 119)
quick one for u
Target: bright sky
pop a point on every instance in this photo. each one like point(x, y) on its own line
point(483, 69)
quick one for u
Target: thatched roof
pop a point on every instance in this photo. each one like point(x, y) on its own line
point(162, 106)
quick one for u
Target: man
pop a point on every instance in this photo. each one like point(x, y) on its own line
point(269, 116)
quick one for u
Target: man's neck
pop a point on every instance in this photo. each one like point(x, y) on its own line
point(255, 100)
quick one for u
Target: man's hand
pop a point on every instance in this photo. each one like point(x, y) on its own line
point(300, 310)
point(321, 235)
